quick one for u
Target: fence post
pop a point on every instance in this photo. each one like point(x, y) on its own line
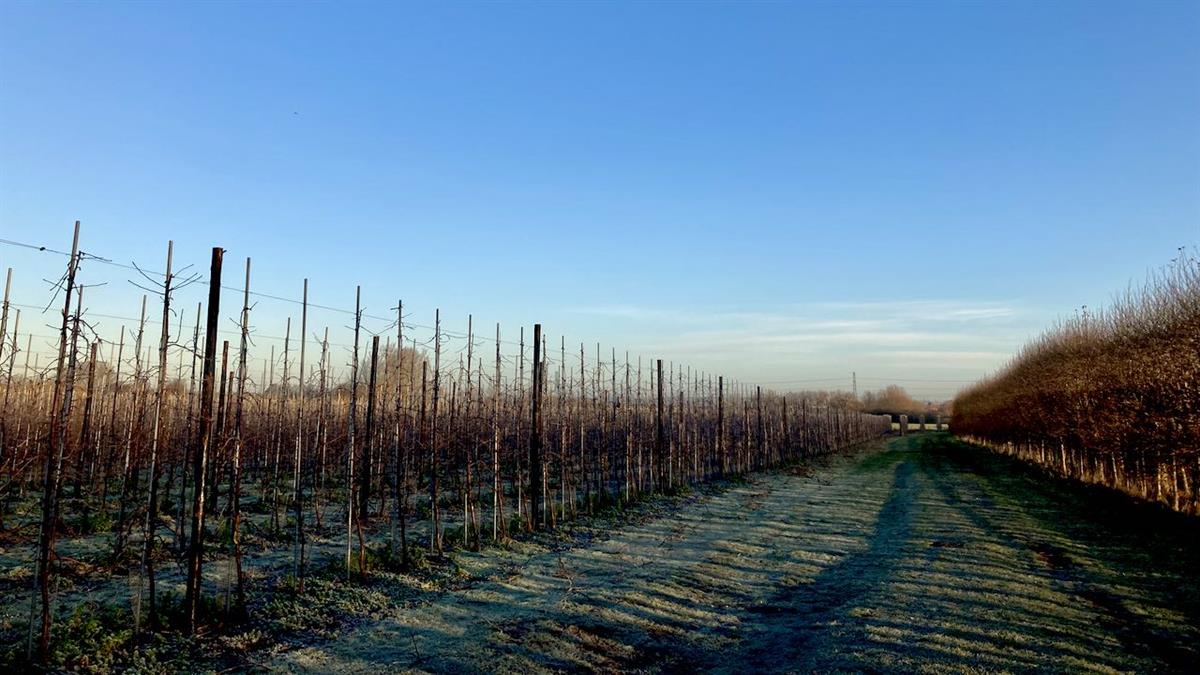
point(535, 432)
point(200, 450)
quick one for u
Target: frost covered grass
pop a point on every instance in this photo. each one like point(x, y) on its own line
point(920, 554)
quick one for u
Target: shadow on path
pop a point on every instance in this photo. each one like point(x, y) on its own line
point(800, 614)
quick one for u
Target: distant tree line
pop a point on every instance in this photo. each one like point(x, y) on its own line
point(895, 401)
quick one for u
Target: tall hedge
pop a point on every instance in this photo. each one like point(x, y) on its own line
point(1110, 397)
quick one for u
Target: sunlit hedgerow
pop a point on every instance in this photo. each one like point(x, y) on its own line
point(1109, 397)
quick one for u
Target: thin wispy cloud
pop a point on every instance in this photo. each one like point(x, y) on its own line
point(982, 358)
point(930, 310)
point(966, 339)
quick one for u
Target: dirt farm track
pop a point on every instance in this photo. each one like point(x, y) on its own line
point(914, 554)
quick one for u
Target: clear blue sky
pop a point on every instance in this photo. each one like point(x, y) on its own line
point(778, 192)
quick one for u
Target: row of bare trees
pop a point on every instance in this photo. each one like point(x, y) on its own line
point(415, 446)
point(1111, 397)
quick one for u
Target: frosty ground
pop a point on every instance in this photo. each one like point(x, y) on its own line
point(915, 554)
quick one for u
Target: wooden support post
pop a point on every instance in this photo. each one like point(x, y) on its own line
point(200, 445)
point(660, 440)
point(498, 524)
point(759, 425)
point(435, 536)
point(535, 432)
point(159, 392)
point(398, 448)
point(235, 492)
point(352, 417)
point(300, 459)
point(364, 486)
